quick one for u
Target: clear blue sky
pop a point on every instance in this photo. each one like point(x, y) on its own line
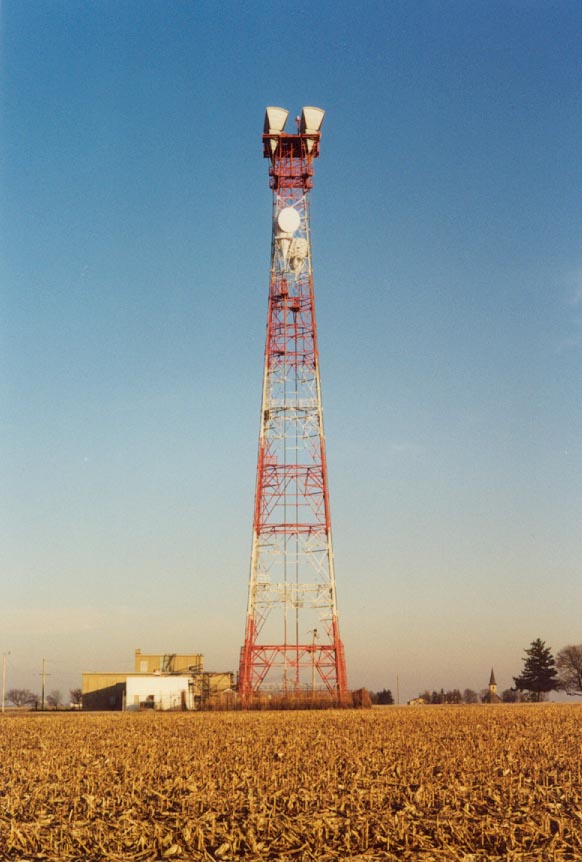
point(447, 228)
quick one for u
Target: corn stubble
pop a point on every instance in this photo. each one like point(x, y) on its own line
point(442, 783)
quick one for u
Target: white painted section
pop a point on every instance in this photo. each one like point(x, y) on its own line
point(168, 691)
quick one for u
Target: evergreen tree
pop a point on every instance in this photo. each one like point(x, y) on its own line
point(539, 673)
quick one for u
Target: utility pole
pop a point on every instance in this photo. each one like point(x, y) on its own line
point(4, 654)
point(313, 664)
point(43, 683)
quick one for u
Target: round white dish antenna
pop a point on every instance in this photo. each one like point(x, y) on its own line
point(288, 220)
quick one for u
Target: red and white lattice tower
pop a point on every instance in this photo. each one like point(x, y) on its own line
point(292, 640)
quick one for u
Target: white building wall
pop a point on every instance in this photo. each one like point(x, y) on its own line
point(167, 691)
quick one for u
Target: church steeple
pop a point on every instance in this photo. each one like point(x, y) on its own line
point(492, 683)
point(491, 696)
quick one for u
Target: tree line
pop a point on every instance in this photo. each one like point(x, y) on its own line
point(468, 695)
point(24, 697)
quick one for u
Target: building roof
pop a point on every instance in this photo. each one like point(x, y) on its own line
point(492, 680)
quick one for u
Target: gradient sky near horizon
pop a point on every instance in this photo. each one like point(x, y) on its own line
point(447, 245)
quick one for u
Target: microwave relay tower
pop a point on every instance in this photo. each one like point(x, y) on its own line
point(292, 641)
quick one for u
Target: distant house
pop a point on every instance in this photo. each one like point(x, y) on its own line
point(416, 701)
point(491, 696)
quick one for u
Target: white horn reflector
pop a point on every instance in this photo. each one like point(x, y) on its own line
point(311, 120)
point(275, 119)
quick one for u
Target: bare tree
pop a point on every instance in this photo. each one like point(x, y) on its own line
point(76, 696)
point(21, 697)
point(470, 696)
point(569, 664)
point(54, 699)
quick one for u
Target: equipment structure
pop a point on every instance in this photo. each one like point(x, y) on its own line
point(292, 640)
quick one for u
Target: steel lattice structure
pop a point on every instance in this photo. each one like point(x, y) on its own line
point(292, 641)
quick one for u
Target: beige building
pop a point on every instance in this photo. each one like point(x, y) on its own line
point(168, 663)
point(159, 681)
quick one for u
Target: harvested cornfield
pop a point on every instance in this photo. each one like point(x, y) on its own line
point(446, 783)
